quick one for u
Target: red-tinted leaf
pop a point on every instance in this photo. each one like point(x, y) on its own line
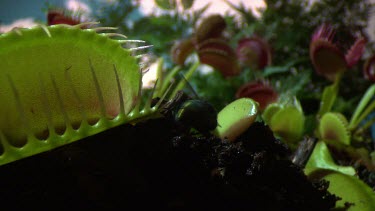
point(181, 50)
point(258, 91)
point(60, 17)
point(327, 59)
point(254, 52)
point(218, 54)
point(210, 27)
point(355, 52)
point(324, 32)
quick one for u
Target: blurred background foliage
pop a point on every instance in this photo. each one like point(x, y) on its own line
point(287, 25)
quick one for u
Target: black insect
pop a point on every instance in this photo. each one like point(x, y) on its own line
point(190, 113)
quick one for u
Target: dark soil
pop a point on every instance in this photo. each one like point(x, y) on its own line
point(151, 165)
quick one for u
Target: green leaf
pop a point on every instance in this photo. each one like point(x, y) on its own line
point(328, 98)
point(166, 81)
point(187, 76)
point(166, 4)
point(243, 10)
point(321, 159)
point(160, 83)
point(275, 69)
point(351, 190)
point(359, 114)
point(187, 4)
point(270, 70)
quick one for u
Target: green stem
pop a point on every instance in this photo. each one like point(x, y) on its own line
point(182, 83)
point(367, 111)
point(368, 124)
point(364, 101)
point(159, 78)
point(329, 96)
point(167, 80)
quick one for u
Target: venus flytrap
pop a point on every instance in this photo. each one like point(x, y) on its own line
point(334, 129)
point(62, 83)
point(236, 118)
point(331, 62)
point(326, 56)
point(333, 132)
point(363, 109)
point(339, 133)
point(286, 120)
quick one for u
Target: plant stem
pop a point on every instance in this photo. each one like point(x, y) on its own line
point(364, 101)
point(329, 96)
point(167, 80)
point(365, 126)
point(182, 83)
point(367, 111)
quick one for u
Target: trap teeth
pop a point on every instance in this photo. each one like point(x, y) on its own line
point(334, 127)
